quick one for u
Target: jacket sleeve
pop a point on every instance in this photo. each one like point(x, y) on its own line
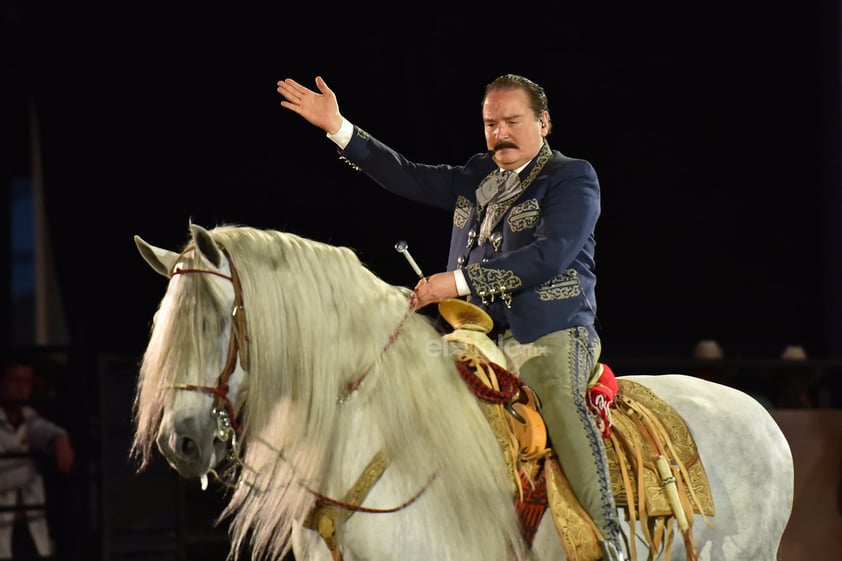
point(431, 185)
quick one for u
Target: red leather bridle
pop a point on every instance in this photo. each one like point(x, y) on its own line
point(223, 409)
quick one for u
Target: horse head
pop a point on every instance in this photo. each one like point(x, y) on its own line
point(194, 365)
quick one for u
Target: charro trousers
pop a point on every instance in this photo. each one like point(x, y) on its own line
point(560, 366)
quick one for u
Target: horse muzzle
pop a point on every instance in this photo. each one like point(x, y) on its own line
point(192, 450)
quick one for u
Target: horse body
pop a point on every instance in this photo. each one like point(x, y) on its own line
point(339, 370)
point(747, 460)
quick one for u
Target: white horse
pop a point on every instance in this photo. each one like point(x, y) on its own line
point(306, 370)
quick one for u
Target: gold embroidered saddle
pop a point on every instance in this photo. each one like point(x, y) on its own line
point(656, 473)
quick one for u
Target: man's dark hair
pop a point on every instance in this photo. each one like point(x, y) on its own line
point(537, 97)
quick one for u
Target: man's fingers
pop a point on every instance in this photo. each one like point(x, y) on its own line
point(291, 106)
point(292, 90)
point(293, 85)
point(322, 85)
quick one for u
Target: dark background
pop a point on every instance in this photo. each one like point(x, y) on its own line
point(714, 132)
point(714, 128)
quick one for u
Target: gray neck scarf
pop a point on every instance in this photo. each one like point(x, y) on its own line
point(499, 190)
point(495, 194)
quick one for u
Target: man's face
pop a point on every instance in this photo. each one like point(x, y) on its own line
point(512, 132)
point(16, 383)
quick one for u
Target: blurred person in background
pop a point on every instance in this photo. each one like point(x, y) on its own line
point(28, 441)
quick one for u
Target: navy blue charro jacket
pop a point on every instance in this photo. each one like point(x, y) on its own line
point(539, 277)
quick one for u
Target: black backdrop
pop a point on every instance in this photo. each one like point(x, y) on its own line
point(712, 131)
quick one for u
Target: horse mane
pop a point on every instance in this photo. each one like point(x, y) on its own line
point(320, 322)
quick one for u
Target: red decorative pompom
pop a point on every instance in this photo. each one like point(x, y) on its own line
point(600, 399)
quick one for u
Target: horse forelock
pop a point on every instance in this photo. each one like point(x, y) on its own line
point(183, 348)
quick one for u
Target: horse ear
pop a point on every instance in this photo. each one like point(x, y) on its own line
point(206, 246)
point(161, 260)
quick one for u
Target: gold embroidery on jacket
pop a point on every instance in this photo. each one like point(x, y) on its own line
point(543, 157)
point(462, 211)
point(492, 281)
point(566, 285)
point(524, 215)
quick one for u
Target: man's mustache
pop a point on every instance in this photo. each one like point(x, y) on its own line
point(504, 144)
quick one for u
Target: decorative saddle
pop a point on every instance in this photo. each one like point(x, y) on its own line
point(656, 473)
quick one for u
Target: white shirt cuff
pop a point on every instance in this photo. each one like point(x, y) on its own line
point(461, 284)
point(343, 136)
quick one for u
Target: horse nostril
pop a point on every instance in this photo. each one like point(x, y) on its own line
point(187, 448)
